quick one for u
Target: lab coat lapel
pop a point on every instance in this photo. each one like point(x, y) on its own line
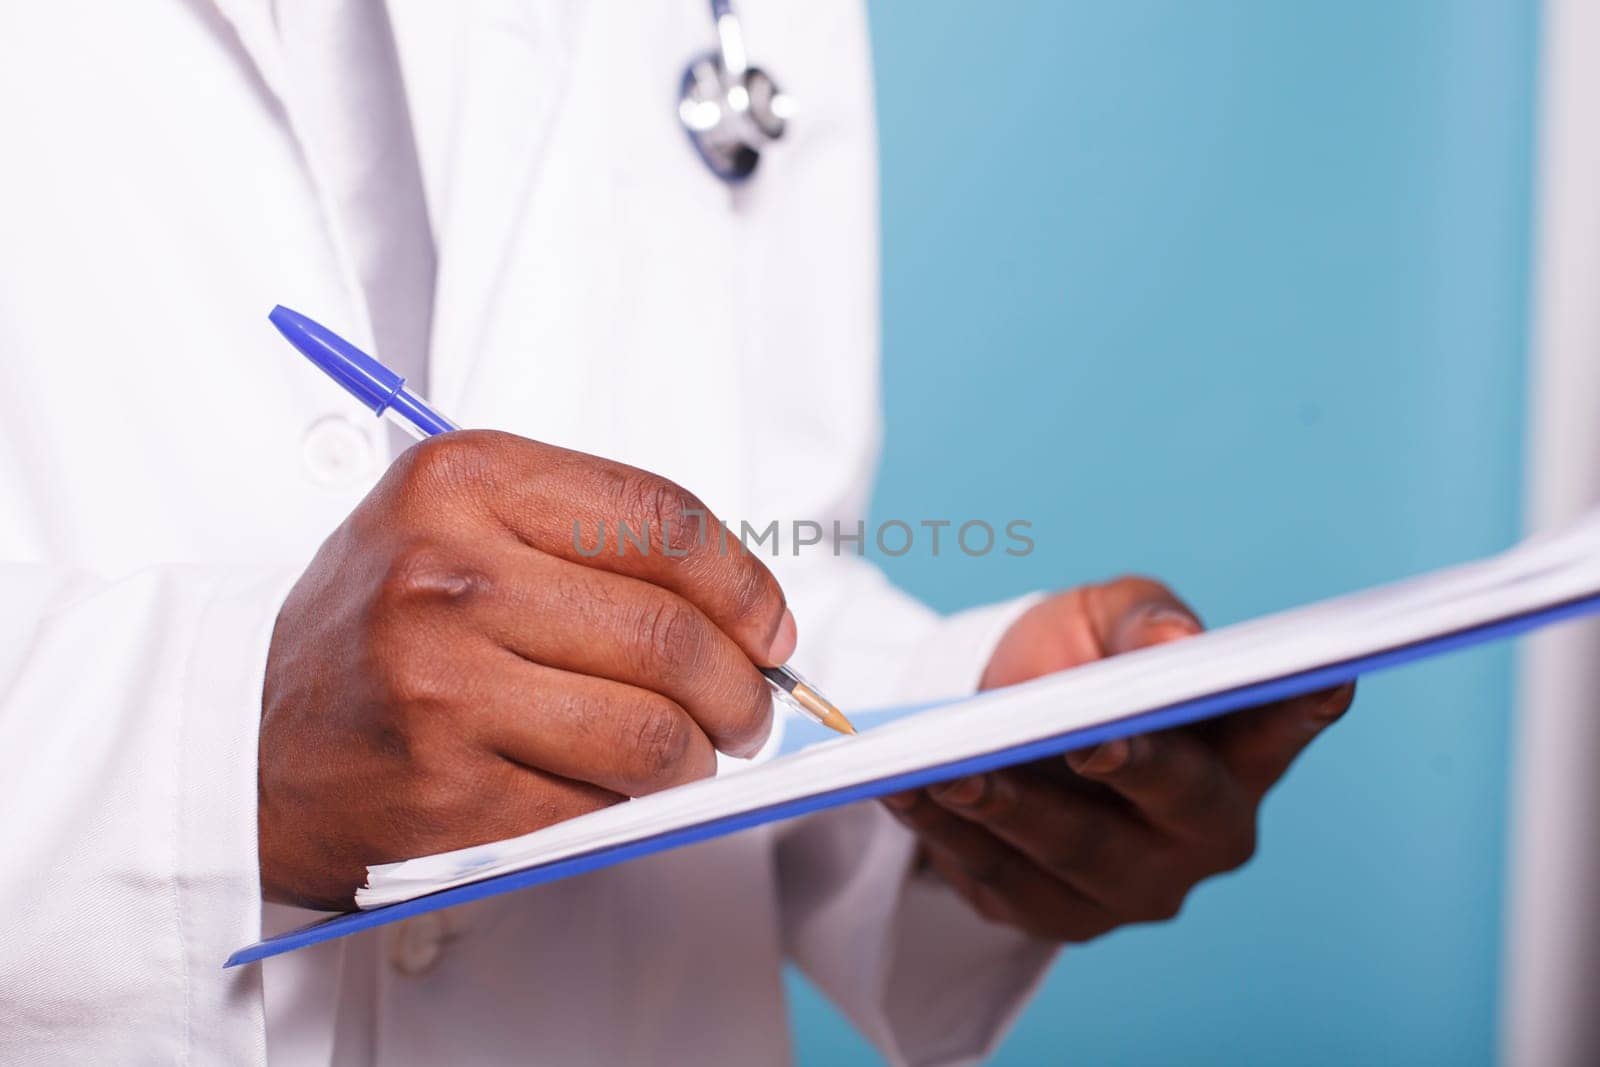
point(348, 98)
point(361, 173)
point(252, 23)
point(508, 66)
point(498, 69)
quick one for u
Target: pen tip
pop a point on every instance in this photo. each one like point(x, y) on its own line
point(823, 709)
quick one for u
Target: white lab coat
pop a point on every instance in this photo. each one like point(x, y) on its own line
point(167, 466)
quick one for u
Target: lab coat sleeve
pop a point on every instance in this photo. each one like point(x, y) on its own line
point(917, 970)
point(129, 711)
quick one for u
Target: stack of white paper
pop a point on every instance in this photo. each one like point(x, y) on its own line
point(1537, 575)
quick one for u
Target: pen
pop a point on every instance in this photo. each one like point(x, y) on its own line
point(385, 393)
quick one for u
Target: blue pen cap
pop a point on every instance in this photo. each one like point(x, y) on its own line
point(362, 376)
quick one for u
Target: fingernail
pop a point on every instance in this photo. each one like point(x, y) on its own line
point(1332, 707)
point(783, 645)
point(963, 792)
point(1174, 621)
point(1154, 624)
point(1104, 758)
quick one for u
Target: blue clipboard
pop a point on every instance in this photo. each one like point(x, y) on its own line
point(1157, 719)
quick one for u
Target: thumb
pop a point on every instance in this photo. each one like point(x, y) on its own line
point(1128, 614)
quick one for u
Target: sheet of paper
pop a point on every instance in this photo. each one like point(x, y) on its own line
point(1538, 574)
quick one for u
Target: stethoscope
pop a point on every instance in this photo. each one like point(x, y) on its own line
point(730, 109)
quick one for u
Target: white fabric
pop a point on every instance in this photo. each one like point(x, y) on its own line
point(342, 80)
point(167, 466)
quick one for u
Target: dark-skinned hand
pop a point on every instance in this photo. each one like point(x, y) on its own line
point(453, 669)
point(1070, 848)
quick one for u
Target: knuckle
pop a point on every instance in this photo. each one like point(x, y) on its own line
point(663, 739)
point(656, 503)
point(679, 524)
point(425, 573)
point(753, 593)
point(669, 636)
point(413, 685)
point(458, 459)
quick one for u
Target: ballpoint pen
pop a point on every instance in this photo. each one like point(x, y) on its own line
point(384, 392)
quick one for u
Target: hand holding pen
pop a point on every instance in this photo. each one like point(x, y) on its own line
point(451, 669)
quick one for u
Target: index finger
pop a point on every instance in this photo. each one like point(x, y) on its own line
point(622, 519)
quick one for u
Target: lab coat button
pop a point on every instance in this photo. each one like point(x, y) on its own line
point(336, 451)
point(418, 943)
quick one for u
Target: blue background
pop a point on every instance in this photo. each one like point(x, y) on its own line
point(1233, 293)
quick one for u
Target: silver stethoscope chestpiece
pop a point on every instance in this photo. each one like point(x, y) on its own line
point(730, 110)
